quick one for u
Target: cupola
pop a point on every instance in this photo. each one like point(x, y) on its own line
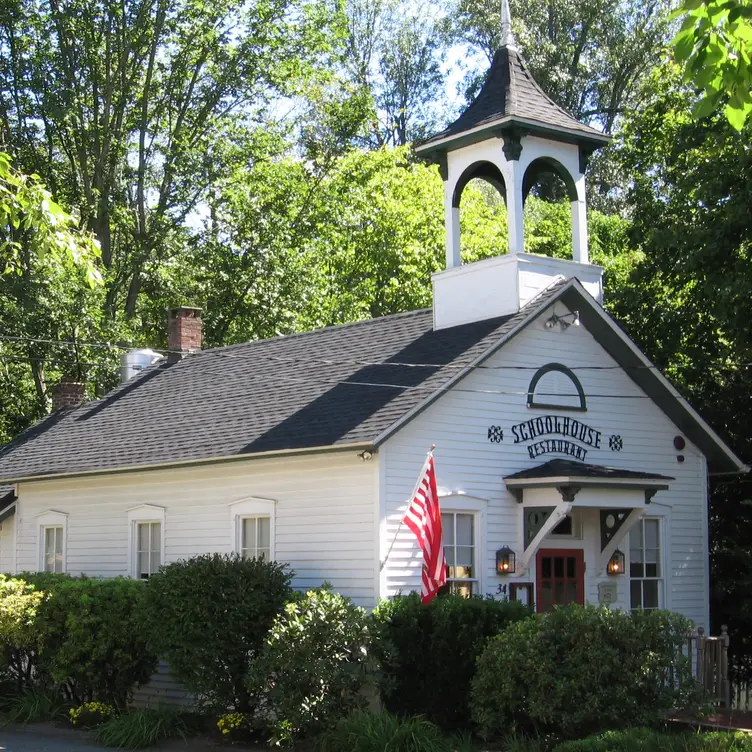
point(510, 134)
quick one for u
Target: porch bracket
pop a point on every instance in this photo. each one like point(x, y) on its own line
point(517, 493)
point(559, 513)
point(568, 492)
point(632, 519)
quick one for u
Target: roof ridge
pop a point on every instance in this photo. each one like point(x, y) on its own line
point(298, 335)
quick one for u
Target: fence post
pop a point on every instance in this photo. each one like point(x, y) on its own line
point(701, 657)
point(723, 669)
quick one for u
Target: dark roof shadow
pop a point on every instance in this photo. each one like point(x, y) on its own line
point(328, 418)
point(124, 390)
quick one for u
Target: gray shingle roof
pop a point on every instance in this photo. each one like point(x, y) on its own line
point(510, 92)
point(559, 467)
point(335, 386)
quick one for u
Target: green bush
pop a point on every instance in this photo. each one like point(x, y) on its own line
point(575, 670)
point(313, 666)
point(383, 732)
point(91, 714)
point(646, 740)
point(422, 648)
point(20, 638)
point(93, 641)
point(208, 617)
point(33, 705)
point(142, 728)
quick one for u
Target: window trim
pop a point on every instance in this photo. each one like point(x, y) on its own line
point(661, 561)
point(136, 516)
point(252, 506)
point(51, 519)
point(459, 503)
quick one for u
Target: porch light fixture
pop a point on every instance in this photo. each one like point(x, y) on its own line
point(616, 563)
point(564, 321)
point(506, 560)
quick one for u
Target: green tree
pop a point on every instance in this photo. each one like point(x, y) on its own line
point(126, 109)
point(715, 46)
point(688, 301)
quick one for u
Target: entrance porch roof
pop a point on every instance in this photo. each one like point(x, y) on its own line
point(569, 473)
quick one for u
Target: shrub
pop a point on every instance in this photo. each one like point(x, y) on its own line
point(93, 642)
point(235, 726)
point(577, 669)
point(142, 728)
point(383, 732)
point(20, 636)
point(313, 666)
point(90, 714)
point(208, 616)
point(422, 647)
point(645, 740)
point(34, 706)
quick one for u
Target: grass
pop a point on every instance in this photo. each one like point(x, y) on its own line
point(142, 728)
point(645, 740)
point(384, 732)
point(34, 706)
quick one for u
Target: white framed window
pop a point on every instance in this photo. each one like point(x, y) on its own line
point(252, 527)
point(146, 531)
point(461, 553)
point(52, 529)
point(645, 565)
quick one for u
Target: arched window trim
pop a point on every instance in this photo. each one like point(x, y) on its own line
point(540, 373)
point(483, 170)
point(542, 165)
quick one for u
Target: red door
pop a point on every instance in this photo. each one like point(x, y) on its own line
point(561, 578)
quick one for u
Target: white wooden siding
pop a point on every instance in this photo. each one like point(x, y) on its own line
point(467, 462)
point(7, 546)
point(324, 517)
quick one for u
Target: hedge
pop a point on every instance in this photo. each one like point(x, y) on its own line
point(428, 653)
point(575, 670)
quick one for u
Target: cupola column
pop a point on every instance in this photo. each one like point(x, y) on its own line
point(452, 225)
point(515, 206)
point(579, 224)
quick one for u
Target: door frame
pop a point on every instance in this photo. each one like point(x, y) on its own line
point(578, 554)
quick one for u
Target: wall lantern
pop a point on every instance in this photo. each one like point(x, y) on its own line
point(505, 560)
point(616, 563)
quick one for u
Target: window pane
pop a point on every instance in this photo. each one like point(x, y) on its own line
point(143, 536)
point(59, 541)
point(156, 542)
point(650, 593)
point(636, 569)
point(464, 556)
point(49, 540)
point(571, 592)
point(143, 564)
point(59, 563)
point(558, 566)
point(447, 524)
point(651, 534)
point(49, 562)
point(465, 530)
point(464, 589)
point(558, 591)
point(571, 567)
point(264, 553)
point(635, 536)
point(249, 535)
point(264, 527)
point(449, 555)
point(546, 567)
point(635, 594)
point(564, 527)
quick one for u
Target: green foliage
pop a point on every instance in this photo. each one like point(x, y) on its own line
point(615, 663)
point(142, 728)
point(35, 705)
point(93, 640)
point(423, 647)
point(20, 637)
point(208, 616)
point(313, 666)
point(646, 740)
point(714, 44)
point(90, 714)
point(383, 732)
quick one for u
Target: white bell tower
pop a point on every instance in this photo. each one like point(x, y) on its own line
point(510, 134)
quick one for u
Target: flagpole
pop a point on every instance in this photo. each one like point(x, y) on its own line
point(412, 496)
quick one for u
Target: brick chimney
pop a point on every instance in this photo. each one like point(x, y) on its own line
point(67, 393)
point(184, 332)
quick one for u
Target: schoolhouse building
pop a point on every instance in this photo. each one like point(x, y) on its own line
point(569, 468)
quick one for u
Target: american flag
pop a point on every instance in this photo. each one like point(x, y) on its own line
point(423, 517)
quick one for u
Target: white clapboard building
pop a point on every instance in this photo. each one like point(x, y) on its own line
point(569, 468)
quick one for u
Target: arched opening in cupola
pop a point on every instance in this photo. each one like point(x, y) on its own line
point(549, 194)
point(480, 198)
